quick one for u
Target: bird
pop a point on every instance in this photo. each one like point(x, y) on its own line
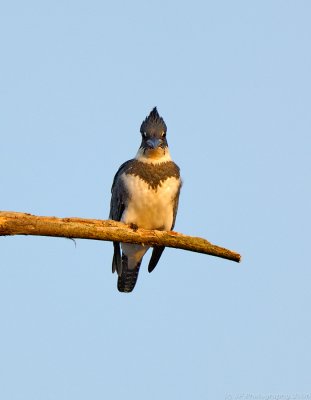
point(144, 194)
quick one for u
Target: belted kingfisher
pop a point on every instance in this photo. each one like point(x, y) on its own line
point(145, 193)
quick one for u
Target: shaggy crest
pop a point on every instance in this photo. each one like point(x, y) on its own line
point(153, 123)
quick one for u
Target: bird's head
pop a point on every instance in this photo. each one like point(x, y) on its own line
point(153, 133)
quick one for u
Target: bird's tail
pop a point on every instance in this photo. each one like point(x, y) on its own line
point(128, 277)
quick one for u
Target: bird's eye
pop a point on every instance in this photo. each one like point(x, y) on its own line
point(144, 135)
point(163, 135)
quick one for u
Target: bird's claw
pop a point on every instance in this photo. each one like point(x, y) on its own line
point(133, 226)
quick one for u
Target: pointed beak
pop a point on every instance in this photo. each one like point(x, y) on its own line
point(153, 143)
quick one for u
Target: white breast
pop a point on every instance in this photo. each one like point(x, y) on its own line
point(150, 208)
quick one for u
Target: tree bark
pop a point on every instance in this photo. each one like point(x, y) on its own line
point(15, 223)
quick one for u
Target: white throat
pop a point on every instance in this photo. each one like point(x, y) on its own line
point(153, 156)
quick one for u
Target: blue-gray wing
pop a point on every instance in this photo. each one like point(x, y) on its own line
point(119, 199)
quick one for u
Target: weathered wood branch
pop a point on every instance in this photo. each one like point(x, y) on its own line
point(15, 223)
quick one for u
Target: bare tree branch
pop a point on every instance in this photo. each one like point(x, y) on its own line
point(15, 223)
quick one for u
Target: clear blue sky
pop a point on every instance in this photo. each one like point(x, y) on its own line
point(232, 81)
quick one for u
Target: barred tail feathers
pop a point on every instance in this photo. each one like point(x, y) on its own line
point(128, 277)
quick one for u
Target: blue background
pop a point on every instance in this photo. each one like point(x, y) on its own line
point(232, 81)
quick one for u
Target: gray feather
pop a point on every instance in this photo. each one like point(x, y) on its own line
point(118, 203)
point(155, 257)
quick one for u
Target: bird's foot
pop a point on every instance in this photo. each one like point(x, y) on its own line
point(133, 226)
